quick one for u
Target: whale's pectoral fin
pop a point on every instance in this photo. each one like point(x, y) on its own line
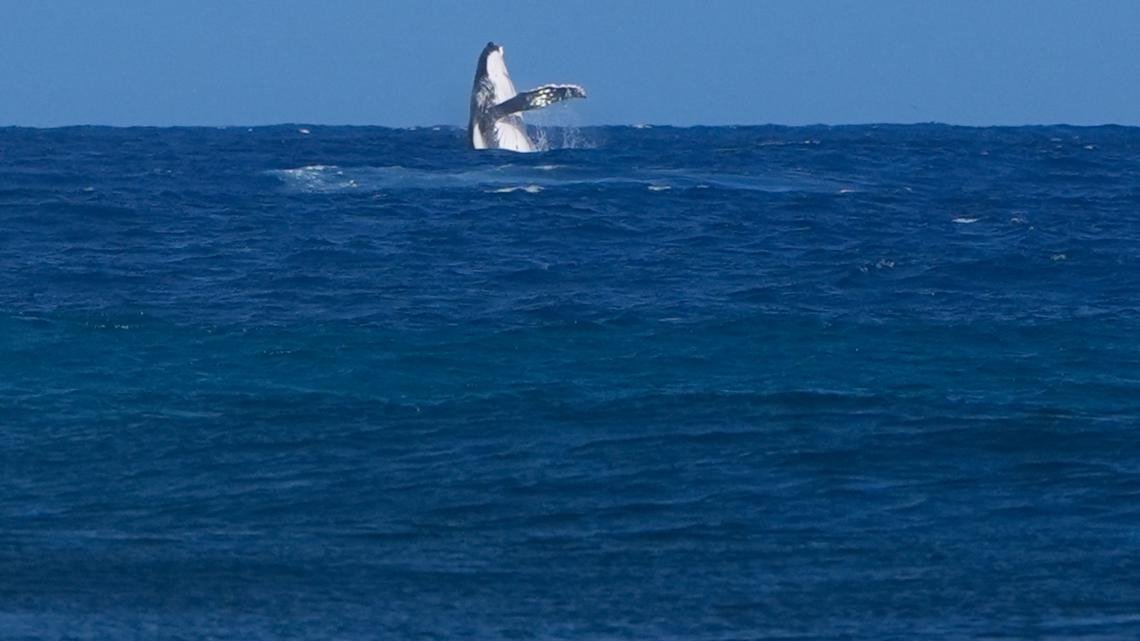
point(538, 98)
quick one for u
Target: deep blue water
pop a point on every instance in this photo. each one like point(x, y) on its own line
point(714, 383)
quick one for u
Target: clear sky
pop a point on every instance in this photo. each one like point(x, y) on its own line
point(383, 62)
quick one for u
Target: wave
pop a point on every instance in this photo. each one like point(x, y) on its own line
point(508, 178)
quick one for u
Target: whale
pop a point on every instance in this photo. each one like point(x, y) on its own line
point(496, 106)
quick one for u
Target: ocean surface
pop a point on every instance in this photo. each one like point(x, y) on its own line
point(348, 383)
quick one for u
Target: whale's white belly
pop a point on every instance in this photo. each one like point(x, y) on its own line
point(511, 133)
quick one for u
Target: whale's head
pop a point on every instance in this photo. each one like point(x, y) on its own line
point(492, 72)
point(492, 61)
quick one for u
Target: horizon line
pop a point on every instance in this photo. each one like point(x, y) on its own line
point(639, 125)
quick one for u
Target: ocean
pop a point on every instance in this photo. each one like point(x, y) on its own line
point(712, 383)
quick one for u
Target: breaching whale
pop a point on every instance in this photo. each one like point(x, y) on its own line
point(495, 105)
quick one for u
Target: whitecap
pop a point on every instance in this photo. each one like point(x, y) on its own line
point(530, 189)
point(965, 221)
point(659, 187)
point(318, 178)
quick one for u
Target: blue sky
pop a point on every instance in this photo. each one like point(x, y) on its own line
point(379, 62)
